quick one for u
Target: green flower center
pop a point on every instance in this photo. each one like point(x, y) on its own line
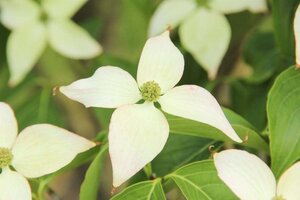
point(150, 91)
point(5, 157)
point(278, 198)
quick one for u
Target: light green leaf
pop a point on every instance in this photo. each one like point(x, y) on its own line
point(147, 190)
point(283, 110)
point(16, 13)
point(24, 47)
point(71, 40)
point(233, 6)
point(170, 13)
point(242, 127)
point(62, 8)
point(206, 35)
point(89, 187)
point(199, 180)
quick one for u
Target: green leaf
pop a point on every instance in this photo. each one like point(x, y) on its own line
point(147, 190)
point(242, 127)
point(283, 16)
point(283, 109)
point(199, 180)
point(89, 187)
point(180, 150)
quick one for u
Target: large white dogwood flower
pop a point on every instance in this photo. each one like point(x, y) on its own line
point(203, 29)
point(138, 132)
point(34, 25)
point(251, 179)
point(38, 150)
point(297, 35)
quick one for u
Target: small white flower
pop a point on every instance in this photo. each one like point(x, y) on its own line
point(297, 35)
point(34, 25)
point(251, 179)
point(38, 150)
point(138, 132)
point(204, 30)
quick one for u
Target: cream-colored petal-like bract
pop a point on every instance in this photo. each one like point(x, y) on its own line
point(196, 103)
point(161, 61)
point(137, 133)
point(170, 13)
point(18, 13)
point(288, 184)
point(13, 186)
point(24, 47)
point(297, 35)
point(8, 126)
point(80, 46)
point(206, 35)
point(43, 148)
point(109, 87)
point(245, 174)
point(62, 8)
point(234, 6)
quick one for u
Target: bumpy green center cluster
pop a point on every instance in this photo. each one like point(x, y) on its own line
point(150, 91)
point(278, 198)
point(5, 157)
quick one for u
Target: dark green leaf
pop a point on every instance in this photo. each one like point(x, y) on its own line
point(147, 190)
point(180, 150)
point(283, 16)
point(199, 180)
point(242, 127)
point(260, 52)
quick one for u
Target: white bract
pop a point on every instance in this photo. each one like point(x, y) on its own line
point(251, 179)
point(138, 132)
point(38, 150)
point(204, 30)
point(34, 25)
point(297, 35)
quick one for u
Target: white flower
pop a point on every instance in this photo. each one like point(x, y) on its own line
point(204, 30)
point(138, 132)
point(34, 25)
point(297, 35)
point(38, 150)
point(251, 179)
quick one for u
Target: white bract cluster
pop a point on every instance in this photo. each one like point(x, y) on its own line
point(138, 132)
point(34, 25)
point(203, 29)
point(38, 150)
point(251, 179)
point(297, 35)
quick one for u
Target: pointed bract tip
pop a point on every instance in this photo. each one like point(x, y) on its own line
point(169, 28)
point(246, 138)
point(165, 34)
point(113, 190)
point(212, 151)
point(55, 90)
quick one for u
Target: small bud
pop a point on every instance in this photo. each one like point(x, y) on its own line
point(278, 198)
point(150, 91)
point(5, 157)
